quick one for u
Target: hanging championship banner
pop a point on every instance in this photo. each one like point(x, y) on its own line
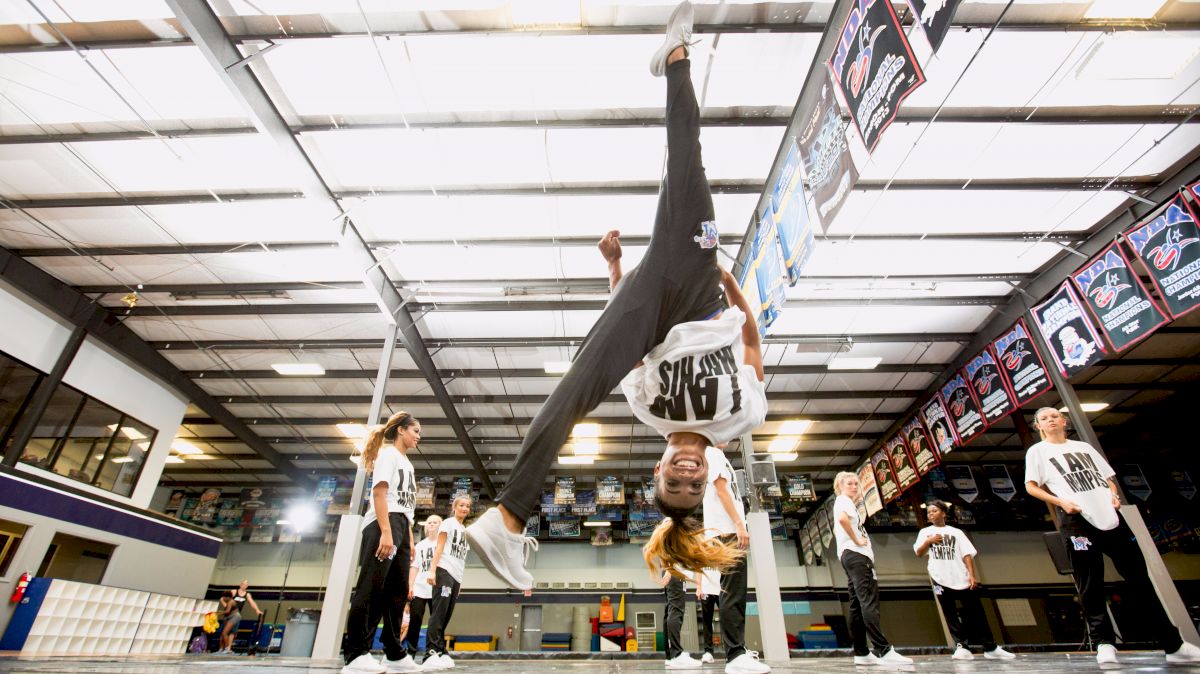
point(1165, 243)
point(1118, 299)
point(769, 267)
point(640, 528)
point(790, 209)
point(1068, 331)
point(747, 278)
point(533, 525)
point(828, 167)
point(814, 537)
point(963, 481)
point(884, 477)
point(426, 490)
point(924, 456)
point(806, 549)
point(1183, 484)
point(1000, 481)
point(959, 398)
point(902, 465)
point(801, 487)
point(869, 489)
point(610, 490)
point(1134, 480)
point(933, 413)
point(567, 527)
point(1021, 364)
point(934, 17)
point(937, 480)
point(564, 490)
point(984, 374)
point(874, 66)
point(460, 487)
point(326, 486)
point(585, 502)
point(549, 507)
point(824, 520)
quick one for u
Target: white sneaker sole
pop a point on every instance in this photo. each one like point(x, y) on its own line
point(487, 552)
point(658, 63)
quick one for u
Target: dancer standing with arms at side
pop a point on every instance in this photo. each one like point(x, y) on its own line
point(387, 545)
point(420, 592)
point(858, 561)
point(446, 576)
point(676, 598)
point(1077, 481)
point(952, 571)
point(708, 593)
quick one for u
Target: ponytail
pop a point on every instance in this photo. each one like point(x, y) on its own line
point(378, 434)
point(682, 543)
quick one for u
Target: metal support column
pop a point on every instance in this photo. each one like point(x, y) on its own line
point(41, 397)
point(1168, 594)
point(343, 568)
point(766, 573)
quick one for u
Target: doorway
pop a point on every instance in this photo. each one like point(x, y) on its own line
point(531, 628)
point(75, 558)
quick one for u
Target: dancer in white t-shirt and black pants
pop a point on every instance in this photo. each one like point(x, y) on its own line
point(952, 571)
point(387, 545)
point(1074, 478)
point(446, 575)
point(708, 593)
point(858, 561)
point(420, 592)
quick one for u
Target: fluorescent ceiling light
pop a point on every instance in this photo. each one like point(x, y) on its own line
point(1138, 56)
point(1087, 407)
point(299, 369)
point(576, 460)
point(795, 426)
point(1123, 9)
point(557, 366)
point(282, 522)
point(849, 363)
point(783, 445)
point(127, 459)
point(169, 459)
point(586, 430)
point(590, 523)
point(197, 457)
point(546, 12)
point(131, 433)
point(302, 516)
point(353, 431)
point(586, 447)
point(185, 448)
point(780, 458)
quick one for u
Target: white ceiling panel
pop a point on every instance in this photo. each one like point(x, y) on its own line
point(881, 319)
point(509, 324)
point(927, 352)
point(887, 258)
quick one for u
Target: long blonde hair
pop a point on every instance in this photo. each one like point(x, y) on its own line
point(387, 432)
point(839, 479)
point(679, 541)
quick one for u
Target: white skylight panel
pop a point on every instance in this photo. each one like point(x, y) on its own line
point(756, 69)
point(880, 258)
point(878, 319)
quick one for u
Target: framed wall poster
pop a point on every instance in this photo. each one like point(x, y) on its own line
point(1165, 242)
point(963, 408)
point(1021, 364)
point(983, 372)
point(566, 527)
point(902, 465)
point(920, 447)
point(1073, 341)
point(937, 421)
point(1116, 297)
point(426, 491)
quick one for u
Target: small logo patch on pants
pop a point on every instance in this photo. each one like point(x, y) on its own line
point(708, 238)
point(446, 589)
point(1081, 543)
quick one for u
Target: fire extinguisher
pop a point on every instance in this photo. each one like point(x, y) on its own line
point(19, 591)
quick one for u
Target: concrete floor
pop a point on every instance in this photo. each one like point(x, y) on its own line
point(1141, 661)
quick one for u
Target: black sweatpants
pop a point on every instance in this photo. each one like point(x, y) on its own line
point(968, 626)
point(445, 596)
point(673, 616)
point(733, 606)
point(864, 604)
point(1087, 546)
point(676, 282)
point(381, 592)
point(706, 619)
point(416, 613)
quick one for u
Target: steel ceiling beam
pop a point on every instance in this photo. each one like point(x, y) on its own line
point(516, 442)
point(780, 396)
point(102, 325)
point(486, 373)
point(475, 420)
point(203, 26)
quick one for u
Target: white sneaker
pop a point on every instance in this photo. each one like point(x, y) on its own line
point(892, 658)
point(501, 551)
point(1187, 653)
point(404, 664)
point(446, 662)
point(683, 661)
point(707, 658)
point(364, 664)
point(868, 660)
point(746, 663)
point(679, 33)
point(433, 661)
point(999, 653)
point(961, 653)
point(1106, 654)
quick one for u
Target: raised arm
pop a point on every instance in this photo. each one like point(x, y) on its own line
point(610, 248)
point(750, 338)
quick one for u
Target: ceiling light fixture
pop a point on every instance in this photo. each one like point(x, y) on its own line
point(299, 369)
point(353, 431)
point(586, 430)
point(783, 444)
point(848, 363)
point(782, 458)
point(557, 366)
point(1123, 9)
point(576, 460)
point(586, 447)
point(597, 523)
point(528, 13)
point(169, 459)
point(127, 459)
point(131, 433)
point(185, 448)
point(795, 426)
point(1087, 407)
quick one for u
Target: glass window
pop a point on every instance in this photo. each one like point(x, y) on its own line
point(54, 426)
point(18, 381)
point(11, 534)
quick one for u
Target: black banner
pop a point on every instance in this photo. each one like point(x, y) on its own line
point(933, 413)
point(1021, 364)
point(906, 472)
point(1068, 331)
point(1118, 299)
point(1165, 244)
point(920, 448)
point(963, 408)
point(984, 374)
point(884, 477)
point(934, 17)
point(873, 65)
point(828, 167)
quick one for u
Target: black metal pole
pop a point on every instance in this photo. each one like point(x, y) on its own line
point(41, 398)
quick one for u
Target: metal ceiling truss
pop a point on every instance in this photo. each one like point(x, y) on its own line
point(472, 420)
point(803, 396)
point(516, 442)
point(490, 373)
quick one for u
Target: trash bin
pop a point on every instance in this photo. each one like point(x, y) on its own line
point(301, 632)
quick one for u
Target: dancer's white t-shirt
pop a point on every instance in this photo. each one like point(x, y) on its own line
point(843, 504)
point(710, 582)
point(396, 470)
point(717, 522)
point(422, 560)
point(697, 380)
point(454, 554)
point(946, 565)
point(1076, 472)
